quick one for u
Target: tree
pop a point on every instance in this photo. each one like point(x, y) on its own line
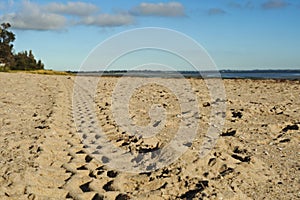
point(6, 47)
point(19, 61)
point(26, 61)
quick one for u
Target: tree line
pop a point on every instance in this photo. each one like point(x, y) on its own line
point(9, 60)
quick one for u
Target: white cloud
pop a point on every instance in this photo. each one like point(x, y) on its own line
point(108, 20)
point(34, 21)
point(32, 17)
point(72, 8)
point(171, 9)
point(57, 16)
point(53, 16)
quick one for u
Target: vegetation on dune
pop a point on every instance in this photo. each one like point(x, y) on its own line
point(26, 61)
point(48, 72)
point(15, 61)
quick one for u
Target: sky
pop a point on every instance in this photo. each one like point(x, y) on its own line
point(244, 34)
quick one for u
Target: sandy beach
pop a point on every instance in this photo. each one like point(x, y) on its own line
point(42, 155)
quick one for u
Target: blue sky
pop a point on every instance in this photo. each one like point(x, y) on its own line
point(245, 34)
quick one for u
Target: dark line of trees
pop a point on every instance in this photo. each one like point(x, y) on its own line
point(8, 59)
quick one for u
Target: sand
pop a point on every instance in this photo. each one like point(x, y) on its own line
point(43, 155)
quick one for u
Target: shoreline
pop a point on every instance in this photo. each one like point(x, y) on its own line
point(292, 75)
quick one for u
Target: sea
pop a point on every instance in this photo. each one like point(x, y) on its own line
point(224, 74)
point(263, 74)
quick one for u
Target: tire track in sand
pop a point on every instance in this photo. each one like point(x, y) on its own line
point(48, 178)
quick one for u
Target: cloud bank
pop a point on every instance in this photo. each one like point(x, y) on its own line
point(108, 20)
point(58, 16)
point(72, 8)
point(171, 9)
point(32, 17)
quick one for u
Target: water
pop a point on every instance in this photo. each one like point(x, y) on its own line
point(226, 74)
point(271, 74)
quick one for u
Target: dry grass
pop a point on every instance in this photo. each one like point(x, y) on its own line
point(43, 71)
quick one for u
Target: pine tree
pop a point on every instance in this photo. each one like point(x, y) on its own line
point(21, 61)
point(6, 47)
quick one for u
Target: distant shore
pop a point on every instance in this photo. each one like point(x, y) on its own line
point(225, 74)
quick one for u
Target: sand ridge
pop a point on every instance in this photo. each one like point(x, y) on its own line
point(43, 156)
